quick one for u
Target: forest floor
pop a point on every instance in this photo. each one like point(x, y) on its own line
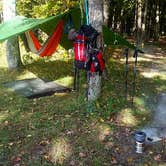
point(64, 129)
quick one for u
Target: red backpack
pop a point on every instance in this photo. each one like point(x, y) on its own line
point(80, 51)
point(97, 62)
point(85, 41)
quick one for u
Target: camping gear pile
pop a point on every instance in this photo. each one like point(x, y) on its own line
point(86, 54)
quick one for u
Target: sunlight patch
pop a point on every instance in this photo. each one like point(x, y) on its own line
point(153, 73)
point(127, 118)
point(3, 116)
point(103, 131)
point(60, 151)
point(25, 75)
point(139, 101)
point(65, 81)
point(3, 61)
point(149, 74)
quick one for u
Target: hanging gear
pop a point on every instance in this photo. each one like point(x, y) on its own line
point(80, 52)
point(86, 55)
point(85, 41)
point(91, 34)
point(97, 62)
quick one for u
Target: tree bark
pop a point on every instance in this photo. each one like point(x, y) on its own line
point(106, 5)
point(144, 20)
point(139, 22)
point(148, 21)
point(162, 18)
point(96, 20)
point(157, 22)
point(12, 45)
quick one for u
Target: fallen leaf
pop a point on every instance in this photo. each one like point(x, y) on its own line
point(44, 142)
point(72, 163)
point(113, 160)
point(150, 152)
point(16, 161)
point(6, 123)
point(146, 164)
point(81, 154)
point(130, 160)
point(70, 132)
point(101, 120)
point(157, 157)
point(11, 144)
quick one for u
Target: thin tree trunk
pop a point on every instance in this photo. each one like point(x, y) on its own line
point(157, 21)
point(113, 19)
point(122, 22)
point(106, 6)
point(148, 21)
point(135, 21)
point(96, 20)
point(144, 20)
point(12, 45)
point(139, 22)
point(162, 18)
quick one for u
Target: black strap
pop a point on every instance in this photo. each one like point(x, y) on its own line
point(76, 78)
point(69, 24)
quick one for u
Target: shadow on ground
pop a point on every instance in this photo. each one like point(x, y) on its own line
point(64, 129)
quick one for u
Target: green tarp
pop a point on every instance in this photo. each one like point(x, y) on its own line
point(19, 25)
point(112, 38)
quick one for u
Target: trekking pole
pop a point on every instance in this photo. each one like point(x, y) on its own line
point(134, 74)
point(88, 73)
point(76, 78)
point(126, 51)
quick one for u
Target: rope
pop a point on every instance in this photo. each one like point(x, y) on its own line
point(86, 11)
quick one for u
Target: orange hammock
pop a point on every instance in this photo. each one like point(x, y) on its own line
point(50, 46)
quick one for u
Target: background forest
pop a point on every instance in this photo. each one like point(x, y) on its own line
point(124, 16)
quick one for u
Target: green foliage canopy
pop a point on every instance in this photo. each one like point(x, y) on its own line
point(44, 8)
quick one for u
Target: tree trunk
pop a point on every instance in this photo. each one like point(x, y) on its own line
point(106, 5)
point(148, 21)
point(162, 18)
point(96, 20)
point(144, 18)
point(139, 22)
point(12, 45)
point(157, 22)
